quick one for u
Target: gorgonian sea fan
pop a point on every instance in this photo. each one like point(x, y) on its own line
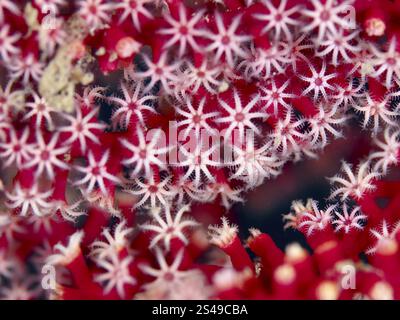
point(121, 121)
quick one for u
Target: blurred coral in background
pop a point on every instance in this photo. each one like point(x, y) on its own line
point(238, 149)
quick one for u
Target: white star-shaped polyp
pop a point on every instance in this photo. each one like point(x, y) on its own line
point(240, 117)
point(286, 134)
point(275, 96)
point(254, 164)
point(146, 153)
point(113, 243)
point(339, 46)
point(45, 156)
point(133, 8)
point(292, 219)
point(183, 31)
point(132, 103)
point(222, 235)
point(264, 63)
point(315, 219)
point(377, 111)
point(117, 274)
point(326, 16)
point(41, 109)
point(323, 122)
point(347, 222)
point(318, 82)
point(167, 226)
point(89, 96)
point(204, 75)
point(385, 239)
point(81, 128)
point(159, 72)
point(295, 49)
point(197, 162)
point(96, 13)
point(387, 61)
point(167, 276)
point(355, 184)
point(278, 19)
point(196, 119)
point(227, 42)
point(389, 153)
point(17, 149)
point(96, 173)
point(7, 41)
point(30, 200)
point(348, 95)
point(26, 68)
point(151, 191)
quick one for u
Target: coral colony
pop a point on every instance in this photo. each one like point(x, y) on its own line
point(123, 123)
